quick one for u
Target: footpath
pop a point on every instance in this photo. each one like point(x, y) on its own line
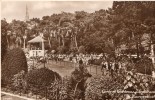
point(9, 96)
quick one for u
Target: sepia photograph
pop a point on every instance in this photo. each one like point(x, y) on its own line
point(77, 50)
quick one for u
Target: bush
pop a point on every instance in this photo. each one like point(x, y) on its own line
point(105, 83)
point(60, 89)
point(62, 49)
point(81, 49)
point(98, 61)
point(42, 77)
point(144, 66)
point(19, 82)
point(14, 61)
point(39, 81)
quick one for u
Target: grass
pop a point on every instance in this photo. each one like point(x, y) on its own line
point(65, 68)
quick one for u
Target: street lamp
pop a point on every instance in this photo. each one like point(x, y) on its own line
point(43, 48)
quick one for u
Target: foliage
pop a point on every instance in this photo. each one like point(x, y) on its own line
point(4, 27)
point(119, 82)
point(74, 50)
point(54, 44)
point(19, 82)
point(77, 83)
point(144, 66)
point(102, 31)
point(80, 14)
point(42, 77)
point(59, 88)
point(62, 49)
point(98, 61)
point(4, 45)
point(82, 49)
point(14, 61)
point(98, 85)
point(132, 18)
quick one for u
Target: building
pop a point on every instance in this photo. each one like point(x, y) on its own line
point(27, 14)
point(37, 47)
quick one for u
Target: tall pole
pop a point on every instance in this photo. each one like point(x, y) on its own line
point(43, 48)
point(24, 41)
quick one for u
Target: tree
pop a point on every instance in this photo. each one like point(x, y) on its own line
point(144, 66)
point(80, 14)
point(131, 16)
point(14, 61)
point(82, 49)
point(4, 28)
point(62, 49)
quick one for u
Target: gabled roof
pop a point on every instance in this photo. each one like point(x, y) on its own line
point(37, 40)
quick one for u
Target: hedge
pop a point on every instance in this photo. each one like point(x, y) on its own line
point(14, 61)
point(42, 77)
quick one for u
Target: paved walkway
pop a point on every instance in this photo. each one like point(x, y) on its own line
point(9, 96)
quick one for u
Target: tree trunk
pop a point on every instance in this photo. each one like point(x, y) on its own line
point(63, 41)
point(137, 47)
point(59, 41)
point(76, 42)
point(152, 53)
point(8, 41)
point(152, 49)
point(49, 42)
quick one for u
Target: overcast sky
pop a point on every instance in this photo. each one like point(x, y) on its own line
point(17, 9)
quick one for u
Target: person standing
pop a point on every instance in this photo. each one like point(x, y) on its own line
point(112, 69)
point(116, 67)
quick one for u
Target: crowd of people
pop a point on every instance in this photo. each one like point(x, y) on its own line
point(86, 58)
point(109, 63)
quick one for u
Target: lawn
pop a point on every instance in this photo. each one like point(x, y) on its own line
point(65, 68)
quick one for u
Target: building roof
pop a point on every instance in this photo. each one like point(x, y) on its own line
point(37, 40)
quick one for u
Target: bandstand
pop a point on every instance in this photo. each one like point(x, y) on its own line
point(37, 47)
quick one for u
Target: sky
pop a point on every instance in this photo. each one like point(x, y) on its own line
point(37, 9)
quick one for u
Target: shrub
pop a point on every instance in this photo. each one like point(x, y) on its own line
point(19, 82)
point(144, 66)
point(98, 62)
point(14, 61)
point(105, 83)
point(40, 81)
point(62, 49)
point(58, 90)
point(42, 77)
point(81, 49)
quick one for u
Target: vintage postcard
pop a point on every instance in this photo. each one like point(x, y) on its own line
point(77, 50)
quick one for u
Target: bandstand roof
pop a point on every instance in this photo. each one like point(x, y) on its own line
point(37, 40)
